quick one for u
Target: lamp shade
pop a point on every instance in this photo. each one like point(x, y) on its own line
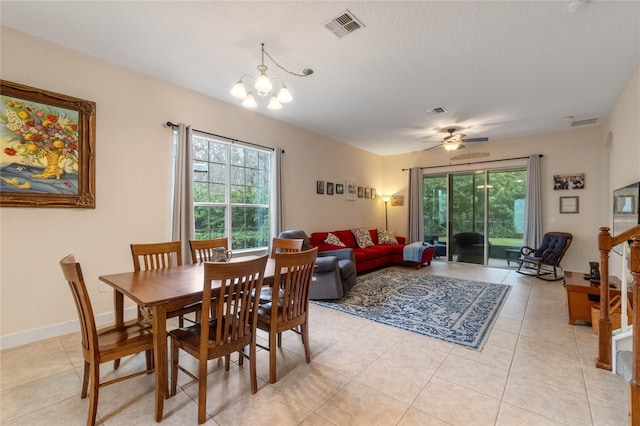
point(274, 103)
point(451, 145)
point(249, 101)
point(263, 84)
point(239, 91)
point(284, 95)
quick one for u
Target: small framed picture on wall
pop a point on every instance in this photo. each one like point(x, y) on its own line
point(339, 188)
point(329, 188)
point(319, 187)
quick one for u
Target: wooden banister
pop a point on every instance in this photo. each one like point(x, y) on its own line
point(606, 242)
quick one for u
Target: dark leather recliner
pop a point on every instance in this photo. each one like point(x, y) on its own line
point(335, 272)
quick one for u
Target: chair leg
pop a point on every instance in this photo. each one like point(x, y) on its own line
point(272, 356)
point(116, 363)
point(252, 364)
point(93, 393)
point(85, 380)
point(202, 392)
point(175, 352)
point(149, 356)
point(279, 340)
point(227, 362)
point(305, 340)
point(180, 321)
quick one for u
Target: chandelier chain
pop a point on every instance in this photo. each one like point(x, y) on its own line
point(264, 52)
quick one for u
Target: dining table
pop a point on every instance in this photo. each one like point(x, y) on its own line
point(163, 290)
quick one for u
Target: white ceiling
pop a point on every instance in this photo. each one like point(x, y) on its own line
point(501, 69)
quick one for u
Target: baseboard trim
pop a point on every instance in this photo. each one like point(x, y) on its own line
point(42, 333)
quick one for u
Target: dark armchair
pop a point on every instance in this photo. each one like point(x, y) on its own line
point(469, 247)
point(335, 271)
point(545, 259)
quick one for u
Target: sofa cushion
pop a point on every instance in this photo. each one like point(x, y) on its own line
point(333, 240)
point(363, 237)
point(386, 237)
point(346, 236)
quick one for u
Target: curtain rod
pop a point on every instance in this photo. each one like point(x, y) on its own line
point(170, 124)
point(476, 162)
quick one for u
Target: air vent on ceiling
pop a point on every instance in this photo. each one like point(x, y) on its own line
point(436, 110)
point(344, 24)
point(583, 122)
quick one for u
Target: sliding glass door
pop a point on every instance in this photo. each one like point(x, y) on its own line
point(476, 216)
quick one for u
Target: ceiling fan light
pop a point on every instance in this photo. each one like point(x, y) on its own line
point(274, 103)
point(451, 145)
point(250, 101)
point(239, 91)
point(284, 95)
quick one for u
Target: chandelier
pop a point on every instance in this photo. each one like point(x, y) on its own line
point(265, 86)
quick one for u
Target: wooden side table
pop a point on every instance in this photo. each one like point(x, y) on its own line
point(582, 293)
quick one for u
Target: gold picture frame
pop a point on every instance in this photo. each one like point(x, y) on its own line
point(48, 148)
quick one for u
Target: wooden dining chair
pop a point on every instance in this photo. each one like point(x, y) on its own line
point(201, 249)
point(294, 273)
point(157, 256)
point(231, 325)
point(284, 245)
point(279, 245)
point(106, 344)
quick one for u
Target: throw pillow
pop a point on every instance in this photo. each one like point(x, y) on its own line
point(333, 240)
point(363, 238)
point(386, 237)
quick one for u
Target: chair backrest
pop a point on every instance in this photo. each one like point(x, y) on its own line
point(557, 242)
point(201, 249)
point(284, 245)
point(156, 255)
point(294, 272)
point(240, 283)
point(73, 274)
point(297, 234)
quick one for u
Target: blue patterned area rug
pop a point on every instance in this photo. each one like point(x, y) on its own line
point(456, 311)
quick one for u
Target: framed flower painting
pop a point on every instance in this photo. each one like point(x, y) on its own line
point(47, 156)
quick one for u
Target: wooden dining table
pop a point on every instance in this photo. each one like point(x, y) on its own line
point(164, 290)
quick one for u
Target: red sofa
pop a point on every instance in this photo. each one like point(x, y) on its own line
point(373, 257)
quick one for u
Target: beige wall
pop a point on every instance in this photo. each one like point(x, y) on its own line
point(133, 163)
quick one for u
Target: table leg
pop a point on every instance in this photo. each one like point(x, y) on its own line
point(160, 357)
point(118, 306)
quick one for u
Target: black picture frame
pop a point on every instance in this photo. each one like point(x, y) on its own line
point(329, 188)
point(319, 187)
point(339, 188)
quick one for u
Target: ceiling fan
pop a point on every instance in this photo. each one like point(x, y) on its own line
point(454, 141)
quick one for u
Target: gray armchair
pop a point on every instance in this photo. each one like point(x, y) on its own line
point(335, 272)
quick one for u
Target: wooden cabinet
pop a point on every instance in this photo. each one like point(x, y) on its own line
point(582, 293)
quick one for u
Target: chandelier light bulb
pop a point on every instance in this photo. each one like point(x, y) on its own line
point(274, 103)
point(239, 91)
point(263, 84)
point(284, 95)
point(250, 101)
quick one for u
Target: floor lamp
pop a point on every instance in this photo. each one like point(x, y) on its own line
point(385, 199)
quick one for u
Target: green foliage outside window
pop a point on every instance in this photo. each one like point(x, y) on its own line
point(235, 179)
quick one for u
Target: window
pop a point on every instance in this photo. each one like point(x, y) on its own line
point(231, 189)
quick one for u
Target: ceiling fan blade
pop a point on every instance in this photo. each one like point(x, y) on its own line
point(475, 140)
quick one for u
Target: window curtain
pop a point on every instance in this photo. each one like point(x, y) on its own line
point(275, 208)
point(416, 207)
point(182, 225)
point(533, 215)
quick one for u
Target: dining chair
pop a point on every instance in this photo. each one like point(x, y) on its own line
point(225, 327)
point(279, 245)
point(157, 256)
point(293, 273)
point(201, 249)
point(284, 245)
point(106, 344)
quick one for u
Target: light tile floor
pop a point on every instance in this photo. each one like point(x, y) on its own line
point(535, 369)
